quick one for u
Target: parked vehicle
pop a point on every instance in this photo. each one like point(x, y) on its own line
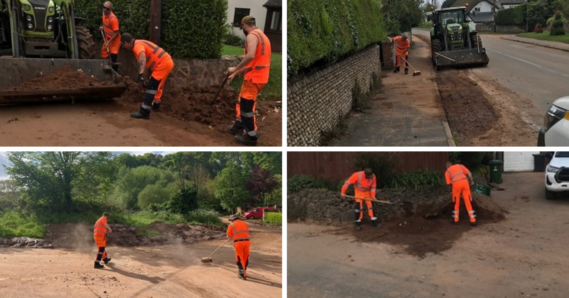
point(557, 175)
point(257, 212)
point(555, 130)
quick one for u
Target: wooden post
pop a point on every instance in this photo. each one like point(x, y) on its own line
point(155, 21)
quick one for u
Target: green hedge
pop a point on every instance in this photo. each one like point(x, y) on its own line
point(321, 31)
point(190, 28)
point(512, 16)
point(274, 218)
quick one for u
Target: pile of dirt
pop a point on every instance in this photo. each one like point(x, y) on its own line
point(64, 78)
point(78, 236)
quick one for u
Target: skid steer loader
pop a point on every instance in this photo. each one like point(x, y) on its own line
point(37, 37)
point(454, 42)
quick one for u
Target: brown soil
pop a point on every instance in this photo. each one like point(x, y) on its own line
point(468, 112)
point(420, 235)
point(64, 78)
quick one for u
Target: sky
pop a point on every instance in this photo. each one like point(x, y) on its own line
point(5, 162)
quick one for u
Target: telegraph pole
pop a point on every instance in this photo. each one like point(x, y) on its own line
point(494, 14)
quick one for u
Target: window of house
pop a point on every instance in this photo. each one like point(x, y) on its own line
point(477, 9)
point(276, 21)
point(240, 13)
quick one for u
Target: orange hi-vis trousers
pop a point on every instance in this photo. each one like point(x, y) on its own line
point(246, 106)
point(242, 254)
point(101, 242)
point(359, 212)
point(160, 73)
point(462, 188)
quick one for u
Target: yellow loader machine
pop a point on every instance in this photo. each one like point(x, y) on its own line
point(454, 42)
point(37, 37)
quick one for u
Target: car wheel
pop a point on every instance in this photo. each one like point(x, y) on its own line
point(549, 195)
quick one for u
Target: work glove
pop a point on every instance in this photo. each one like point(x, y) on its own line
point(142, 80)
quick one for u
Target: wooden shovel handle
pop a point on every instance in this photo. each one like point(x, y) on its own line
point(219, 248)
point(368, 199)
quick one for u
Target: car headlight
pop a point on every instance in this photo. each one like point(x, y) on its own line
point(553, 115)
point(29, 18)
point(552, 169)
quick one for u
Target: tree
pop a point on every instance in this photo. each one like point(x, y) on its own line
point(230, 187)
point(448, 3)
point(95, 180)
point(260, 183)
point(401, 15)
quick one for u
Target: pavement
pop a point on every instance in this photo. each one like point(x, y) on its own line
point(408, 111)
point(544, 43)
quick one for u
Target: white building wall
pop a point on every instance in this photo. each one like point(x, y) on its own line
point(484, 7)
point(257, 10)
point(518, 161)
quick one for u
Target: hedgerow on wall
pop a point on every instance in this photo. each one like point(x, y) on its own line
point(190, 28)
point(325, 30)
point(512, 16)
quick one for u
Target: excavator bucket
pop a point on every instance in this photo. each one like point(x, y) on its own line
point(17, 71)
point(458, 58)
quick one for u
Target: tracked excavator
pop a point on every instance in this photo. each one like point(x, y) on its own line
point(37, 37)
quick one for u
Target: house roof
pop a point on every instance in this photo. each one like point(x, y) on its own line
point(274, 3)
point(482, 17)
point(472, 3)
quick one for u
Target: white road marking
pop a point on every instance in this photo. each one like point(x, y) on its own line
point(530, 63)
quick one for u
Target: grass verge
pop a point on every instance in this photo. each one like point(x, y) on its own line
point(545, 36)
point(273, 89)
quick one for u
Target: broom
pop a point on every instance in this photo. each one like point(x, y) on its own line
point(415, 72)
point(208, 259)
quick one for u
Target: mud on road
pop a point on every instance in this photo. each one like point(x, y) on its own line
point(169, 269)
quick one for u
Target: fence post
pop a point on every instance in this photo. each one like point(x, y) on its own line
point(155, 21)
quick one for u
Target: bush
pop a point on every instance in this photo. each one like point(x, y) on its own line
point(557, 24)
point(300, 182)
point(417, 180)
point(274, 218)
point(538, 29)
point(190, 28)
point(204, 216)
point(13, 224)
point(512, 16)
point(232, 40)
point(381, 164)
point(322, 31)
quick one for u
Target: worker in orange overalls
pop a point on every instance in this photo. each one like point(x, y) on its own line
point(239, 231)
point(402, 45)
point(364, 185)
point(101, 228)
point(159, 65)
point(111, 33)
point(255, 64)
point(461, 179)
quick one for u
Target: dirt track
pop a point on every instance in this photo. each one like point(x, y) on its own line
point(522, 256)
point(172, 270)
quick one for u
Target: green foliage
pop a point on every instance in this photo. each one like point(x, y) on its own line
point(273, 89)
point(360, 100)
point(13, 224)
point(230, 187)
point(382, 165)
point(156, 194)
point(204, 216)
point(190, 28)
point(471, 160)
point(301, 182)
point(545, 36)
point(417, 180)
point(184, 201)
point(538, 12)
point(274, 218)
point(131, 182)
point(231, 50)
point(401, 15)
point(233, 40)
point(557, 24)
point(512, 16)
point(322, 31)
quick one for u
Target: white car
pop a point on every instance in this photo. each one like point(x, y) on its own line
point(555, 130)
point(557, 175)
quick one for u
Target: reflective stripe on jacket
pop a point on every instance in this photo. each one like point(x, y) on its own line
point(238, 230)
point(154, 54)
point(361, 183)
point(456, 173)
point(100, 228)
point(257, 71)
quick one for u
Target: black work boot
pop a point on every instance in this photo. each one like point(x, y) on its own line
point(406, 70)
point(106, 260)
point(246, 140)
point(235, 131)
point(156, 106)
point(396, 69)
point(141, 114)
point(98, 265)
point(358, 226)
point(375, 224)
point(241, 275)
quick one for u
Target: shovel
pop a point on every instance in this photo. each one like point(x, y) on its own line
point(111, 60)
point(437, 213)
point(221, 87)
point(208, 259)
point(367, 199)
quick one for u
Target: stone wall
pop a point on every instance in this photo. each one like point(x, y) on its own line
point(186, 72)
point(316, 102)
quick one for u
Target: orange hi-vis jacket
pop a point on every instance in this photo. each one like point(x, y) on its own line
point(100, 229)
point(257, 71)
point(401, 47)
point(456, 173)
point(238, 230)
point(154, 54)
point(110, 25)
point(364, 188)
